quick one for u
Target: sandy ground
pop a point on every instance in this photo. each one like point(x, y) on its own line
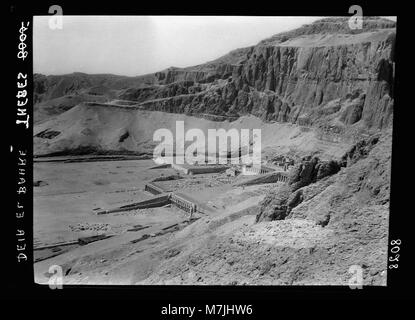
point(68, 193)
point(102, 127)
point(223, 246)
point(64, 206)
point(119, 261)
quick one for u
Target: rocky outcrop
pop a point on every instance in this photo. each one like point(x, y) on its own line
point(309, 170)
point(282, 82)
point(360, 150)
point(274, 207)
point(366, 177)
point(278, 205)
point(310, 77)
point(302, 76)
point(352, 111)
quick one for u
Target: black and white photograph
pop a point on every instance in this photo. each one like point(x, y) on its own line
point(228, 155)
point(110, 91)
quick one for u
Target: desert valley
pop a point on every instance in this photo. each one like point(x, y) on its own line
point(322, 96)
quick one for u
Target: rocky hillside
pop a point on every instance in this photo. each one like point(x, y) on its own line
point(322, 94)
point(330, 217)
point(322, 73)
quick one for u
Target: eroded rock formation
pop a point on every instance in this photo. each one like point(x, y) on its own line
point(297, 76)
point(278, 205)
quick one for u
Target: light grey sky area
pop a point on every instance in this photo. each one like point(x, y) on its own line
point(136, 45)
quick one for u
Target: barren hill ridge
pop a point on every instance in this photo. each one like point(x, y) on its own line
point(287, 77)
point(322, 75)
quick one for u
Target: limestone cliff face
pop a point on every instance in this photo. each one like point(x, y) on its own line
point(322, 72)
point(306, 78)
point(290, 79)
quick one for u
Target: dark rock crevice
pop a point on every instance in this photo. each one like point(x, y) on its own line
point(124, 136)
